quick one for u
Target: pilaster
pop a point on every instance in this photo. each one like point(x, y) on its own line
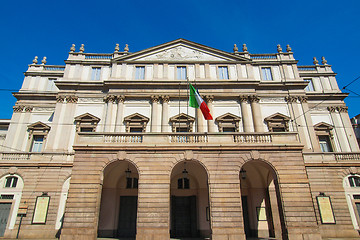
point(256, 113)
point(165, 114)
point(210, 123)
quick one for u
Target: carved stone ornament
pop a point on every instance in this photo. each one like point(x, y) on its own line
point(165, 99)
point(291, 99)
point(82, 49)
point(117, 48)
point(244, 48)
point(35, 61)
point(121, 99)
point(110, 98)
point(243, 98)
point(60, 99)
point(72, 49)
point(303, 99)
point(288, 48)
point(28, 109)
point(316, 62)
point(236, 49)
point(155, 99)
point(43, 61)
point(331, 109)
point(254, 98)
point(71, 99)
point(126, 48)
point(323, 60)
point(342, 109)
point(18, 108)
point(209, 98)
point(279, 49)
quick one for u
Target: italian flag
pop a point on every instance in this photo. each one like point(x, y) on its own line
point(196, 101)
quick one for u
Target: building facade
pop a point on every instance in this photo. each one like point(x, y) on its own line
point(106, 146)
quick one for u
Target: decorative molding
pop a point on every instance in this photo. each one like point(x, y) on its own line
point(303, 99)
point(18, 108)
point(243, 98)
point(155, 99)
point(120, 98)
point(60, 99)
point(331, 109)
point(43, 109)
point(28, 108)
point(90, 100)
point(165, 99)
point(254, 98)
point(209, 98)
point(291, 99)
point(71, 99)
point(342, 109)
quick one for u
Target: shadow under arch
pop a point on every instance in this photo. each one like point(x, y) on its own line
point(119, 198)
point(189, 204)
point(261, 200)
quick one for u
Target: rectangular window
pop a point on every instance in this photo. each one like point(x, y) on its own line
point(95, 73)
point(325, 144)
point(223, 73)
point(11, 182)
point(266, 74)
point(86, 129)
point(37, 143)
point(140, 73)
point(229, 129)
point(310, 86)
point(181, 73)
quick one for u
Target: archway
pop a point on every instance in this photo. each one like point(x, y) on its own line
point(262, 209)
point(118, 209)
point(190, 213)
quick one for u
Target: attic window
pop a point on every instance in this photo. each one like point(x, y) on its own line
point(86, 123)
point(228, 122)
point(136, 123)
point(277, 123)
point(182, 123)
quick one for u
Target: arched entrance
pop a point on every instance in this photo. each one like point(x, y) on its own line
point(118, 209)
point(262, 209)
point(190, 213)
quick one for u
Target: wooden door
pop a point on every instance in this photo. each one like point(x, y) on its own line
point(127, 216)
point(183, 217)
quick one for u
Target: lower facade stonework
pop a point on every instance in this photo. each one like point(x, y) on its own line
point(163, 194)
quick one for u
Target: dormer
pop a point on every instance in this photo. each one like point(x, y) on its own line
point(277, 122)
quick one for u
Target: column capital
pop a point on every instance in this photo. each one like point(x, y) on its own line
point(18, 108)
point(165, 99)
point(155, 99)
point(110, 98)
point(342, 109)
point(60, 98)
point(71, 99)
point(243, 98)
point(291, 99)
point(331, 109)
point(303, 99)
point(209, 98)
point(120, 98)
point(254, 98)
point(28, 108)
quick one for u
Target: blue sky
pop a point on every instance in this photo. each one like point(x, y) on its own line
point(48, 28)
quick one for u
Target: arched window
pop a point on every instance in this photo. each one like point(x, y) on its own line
point(183, 183)
point(354, 181)
point(11, 182)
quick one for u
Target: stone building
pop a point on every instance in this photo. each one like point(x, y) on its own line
point(106, 146)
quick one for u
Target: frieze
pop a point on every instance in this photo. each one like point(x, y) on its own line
point(43, 109)
point(90, 100)
point(277, 100)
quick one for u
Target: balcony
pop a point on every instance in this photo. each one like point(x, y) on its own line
point(186, 139)
point(38, 157)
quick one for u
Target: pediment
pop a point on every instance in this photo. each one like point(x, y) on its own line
point(87, 117)
point(181, 50)
point(228, 117)
point(323, 126)
point(39, 126)
point(136, 117)
point(181, 118)
point(277, 117)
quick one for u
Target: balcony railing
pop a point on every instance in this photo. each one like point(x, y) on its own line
point(306, 68)
point(37, 156)
point(186, 138)
point(263, 56)
point(347, 156)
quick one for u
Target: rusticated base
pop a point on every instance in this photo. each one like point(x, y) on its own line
point(78, 234)
point(228, 234)
point(152, 234)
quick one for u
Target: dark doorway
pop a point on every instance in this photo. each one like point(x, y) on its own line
point(245, 215)
point(127, 216)
point(183, 217)
point(4, 215)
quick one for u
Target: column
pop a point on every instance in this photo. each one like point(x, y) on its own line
point(155, 123)
point(310, 125)
point(246, 118)
point(119, 115)
point(165, 114)
point(348, 128)
point(200, 123)
point(210, 123)
point(110, 101)
point(256, 113)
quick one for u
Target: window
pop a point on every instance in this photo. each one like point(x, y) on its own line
point(228, 122)
point(95, 73)
point(277, 122)
point(310, 86)
point(183, 183)
point(354, 181)
point(324, 134)
point(181, 73)
point(132, 183)
point(86, 122)
point(136, 123)
point(182, 123)
point(37, 143)
point(223, 73)
point(11, 182)
point(266, 74)
point(140, 73)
